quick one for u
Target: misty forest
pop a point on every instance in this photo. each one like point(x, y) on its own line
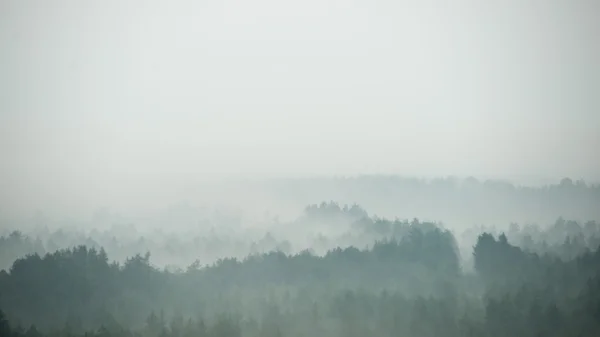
point(334, 270)
point(299, 168)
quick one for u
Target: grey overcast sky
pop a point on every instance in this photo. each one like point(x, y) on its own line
point(98, 97)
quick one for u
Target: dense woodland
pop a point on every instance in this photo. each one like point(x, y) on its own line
point(299, 168)
point(357, 275)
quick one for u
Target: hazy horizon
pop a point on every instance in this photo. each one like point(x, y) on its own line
point(108, 102)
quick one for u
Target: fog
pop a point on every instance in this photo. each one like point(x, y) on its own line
point(276, 168)
point(115, 104)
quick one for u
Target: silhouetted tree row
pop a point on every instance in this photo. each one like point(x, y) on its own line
point(81, 286)
point(408, 285)
point(321, 227)
point(357, 313)
point(455, 200)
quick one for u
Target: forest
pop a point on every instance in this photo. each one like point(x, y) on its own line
point(370, 276)
point(309, 168)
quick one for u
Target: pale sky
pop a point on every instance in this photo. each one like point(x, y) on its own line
point(101, 99)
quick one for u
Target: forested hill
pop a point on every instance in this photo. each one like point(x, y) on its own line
point(412, 287)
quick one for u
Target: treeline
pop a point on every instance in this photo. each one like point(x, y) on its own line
point(532, 298)
point(566, 239)
point(410, 284)
point(320, 228)
point(173, 250)
point(453, 200)
point(532, 295)
point(82, 282)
